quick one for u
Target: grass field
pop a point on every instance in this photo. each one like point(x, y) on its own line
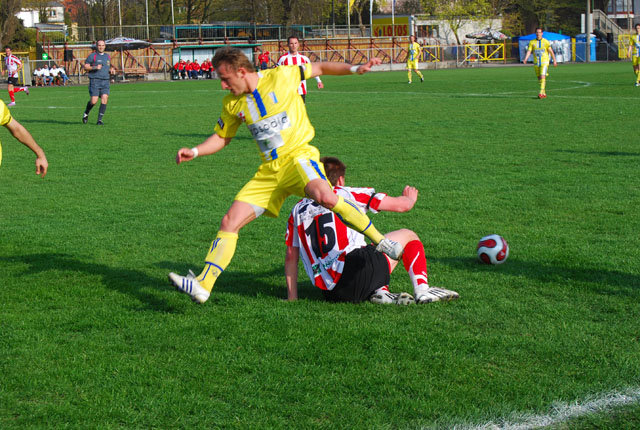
point(92, 335)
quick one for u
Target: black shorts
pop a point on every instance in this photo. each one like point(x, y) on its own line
point(365, 270)
point(12, 81)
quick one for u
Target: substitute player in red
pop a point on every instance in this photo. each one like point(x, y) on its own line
point(294, 58)
point(338, 260)
point(13, 66)
point(269, 104)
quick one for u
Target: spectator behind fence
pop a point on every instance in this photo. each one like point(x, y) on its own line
point(46, 75)
point(205, 67)
point(264, 60)
point(36, 81)
point(195, 70)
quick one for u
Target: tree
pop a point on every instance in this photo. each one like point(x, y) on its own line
point(457, 12)
point(8, 21)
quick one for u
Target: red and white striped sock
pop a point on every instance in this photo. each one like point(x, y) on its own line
point(415, 262)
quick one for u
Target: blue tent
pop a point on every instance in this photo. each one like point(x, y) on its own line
point(560, 43)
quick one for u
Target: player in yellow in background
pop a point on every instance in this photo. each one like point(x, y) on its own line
point(634, 48)
point(541, 49)
point(414, 54)
point(268, 102)
point(23, 135)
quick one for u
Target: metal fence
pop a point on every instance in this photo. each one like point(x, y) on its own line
point(203, 32)
point(156, 62)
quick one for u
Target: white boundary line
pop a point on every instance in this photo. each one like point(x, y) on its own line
point(561, 412)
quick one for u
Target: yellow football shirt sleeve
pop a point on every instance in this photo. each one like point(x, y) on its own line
point(5, 114)
point(227, 125)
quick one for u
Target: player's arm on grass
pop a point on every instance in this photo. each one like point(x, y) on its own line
point(335, 68)
point(213, 144)
point(291, 272)
point(24, 137)
point(526, 57)
point(402, 203)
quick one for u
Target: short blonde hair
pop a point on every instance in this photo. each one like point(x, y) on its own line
point(233, 57)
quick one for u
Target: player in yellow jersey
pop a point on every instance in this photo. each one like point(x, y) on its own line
point(268, 102)
point(634, 48)
point(414, 54)
point(541, 49)
point(23, 135)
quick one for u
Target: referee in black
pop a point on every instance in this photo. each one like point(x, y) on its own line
point(98, 65)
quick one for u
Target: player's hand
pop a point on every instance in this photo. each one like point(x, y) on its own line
point(99, 66)
point(411, 193)
point(367, 66)
point(184, 154)
point(41, 166)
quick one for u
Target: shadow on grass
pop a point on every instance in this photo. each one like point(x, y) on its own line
point(53, 121)
point(251, 284)
point(543, 273)
point(126, 281)
point(601, 153)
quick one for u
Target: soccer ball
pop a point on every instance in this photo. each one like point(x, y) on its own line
point(493, 249)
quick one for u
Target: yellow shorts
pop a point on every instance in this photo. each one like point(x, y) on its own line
point(282, 177)
point(541, 70)
point(636, 60)
point(412, 64)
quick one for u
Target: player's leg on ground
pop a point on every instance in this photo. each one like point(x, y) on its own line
point(320, 191)
point(223, 246)
point(409, 74)
point(419, 73)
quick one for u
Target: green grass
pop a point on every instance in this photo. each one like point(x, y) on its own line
point(92, 334)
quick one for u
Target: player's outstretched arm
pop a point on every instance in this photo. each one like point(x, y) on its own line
point(335, 68)
point(291, 272)
point(23, 136)
point(403, 203)
point(526, 57)
point(213, 144)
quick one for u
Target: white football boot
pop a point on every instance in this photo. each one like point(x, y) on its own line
point(434, 294)
point(189, 285)
point(390, 247)
point(384, 297)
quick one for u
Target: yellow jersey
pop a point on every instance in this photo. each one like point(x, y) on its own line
point(414, 51)
point(5, 118)
point(540, 50)
point(635, 42)
point(274, 113)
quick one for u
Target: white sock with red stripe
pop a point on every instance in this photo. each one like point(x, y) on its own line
point(415, 262)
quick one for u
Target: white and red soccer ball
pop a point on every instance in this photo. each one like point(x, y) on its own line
point(493, 249)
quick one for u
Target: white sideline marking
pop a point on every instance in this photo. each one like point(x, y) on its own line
point(561, 412)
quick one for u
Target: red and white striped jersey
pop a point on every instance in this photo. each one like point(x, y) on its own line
point(323, 239)
point(12, 62)
point(295, 60)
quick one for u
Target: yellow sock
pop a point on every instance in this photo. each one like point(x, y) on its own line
point(220, 254)
point(419, 74)
point(409, 75)
point(351, 215)
point(543, 84)
point(637, 76)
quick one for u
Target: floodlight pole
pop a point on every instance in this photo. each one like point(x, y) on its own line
point(588, 30)
point(120, 17)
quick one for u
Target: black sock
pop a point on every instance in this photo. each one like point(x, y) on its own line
point(103, 109)
point(89, 107)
